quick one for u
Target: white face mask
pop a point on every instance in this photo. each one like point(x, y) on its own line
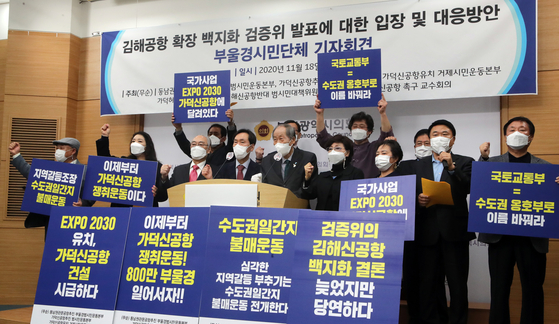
point(440, 144)
point(137, 148)
point(517, 140)
point(214, 141)
point(358, 134)
point(383, 162)
point(60, 155)
point(422, 151)
point(198, 152)
point(283, 148)
point(240, 151)
point(336, 157)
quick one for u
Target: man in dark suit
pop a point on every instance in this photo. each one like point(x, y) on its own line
point(288, 168)
point(243, 167)
point(441, 230)
point(529, 253)
point(192, 171)
point(422, 148)
point(217, 134)
point(412, 263)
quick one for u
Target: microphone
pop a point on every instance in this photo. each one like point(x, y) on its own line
point(445, 164)
point(277, 157)
point(228, 157)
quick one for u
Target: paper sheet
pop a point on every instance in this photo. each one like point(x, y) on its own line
point(439, 192)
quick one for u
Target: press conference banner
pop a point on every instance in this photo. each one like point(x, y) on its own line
point(514, 199)
point(163, 266)
point(51, 183)
point(384, 196)
point(122, 181)
point(248, 265)
point(431, 50)
point(347, 268)
point(80, 271)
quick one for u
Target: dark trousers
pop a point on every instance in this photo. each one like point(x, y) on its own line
point(410, 286)
point(531, 267)
point(453, 258)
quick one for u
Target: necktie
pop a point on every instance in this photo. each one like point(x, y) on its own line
point(287, 168)
point(194, 173)
point(240, 172)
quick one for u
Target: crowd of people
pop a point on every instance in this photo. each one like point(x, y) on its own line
point(440, 250)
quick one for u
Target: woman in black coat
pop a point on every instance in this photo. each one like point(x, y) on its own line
point(327, 185)
point(141, 148)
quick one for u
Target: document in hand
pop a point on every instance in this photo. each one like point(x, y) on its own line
point(439, 192)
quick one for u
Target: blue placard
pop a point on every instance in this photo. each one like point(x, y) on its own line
point(383, 196)
point(514, 199)
point(163, 264)
point(347, 268)
point(349, 79)
point(50, 184)
point(81, 262)
point(248, 264)
point(202, 96)
point(122, 181)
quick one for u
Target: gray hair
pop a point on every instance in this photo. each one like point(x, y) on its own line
point(206, 137)
point(289, 131)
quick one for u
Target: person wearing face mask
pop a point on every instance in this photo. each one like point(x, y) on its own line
point(422, 148)
point(66, 151)
point(326, 186)
point(411, 264)
point(259, 151)
point(217, 134)
point(287, 169)
point(389, 155)
point(441, 235)
point(192, 171)
point(529, 253)
point(243, 167)
point(141, 148)
point(361, 126)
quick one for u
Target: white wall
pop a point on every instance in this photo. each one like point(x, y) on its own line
point(4, 17)
point(39, 15)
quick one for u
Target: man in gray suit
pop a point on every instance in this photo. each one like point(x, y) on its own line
point(529, 253)
point(66, 151)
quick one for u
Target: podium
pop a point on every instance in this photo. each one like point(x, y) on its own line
point(268, 195)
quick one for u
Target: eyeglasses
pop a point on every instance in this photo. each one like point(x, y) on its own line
point(202, 144)
point(337, 149)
